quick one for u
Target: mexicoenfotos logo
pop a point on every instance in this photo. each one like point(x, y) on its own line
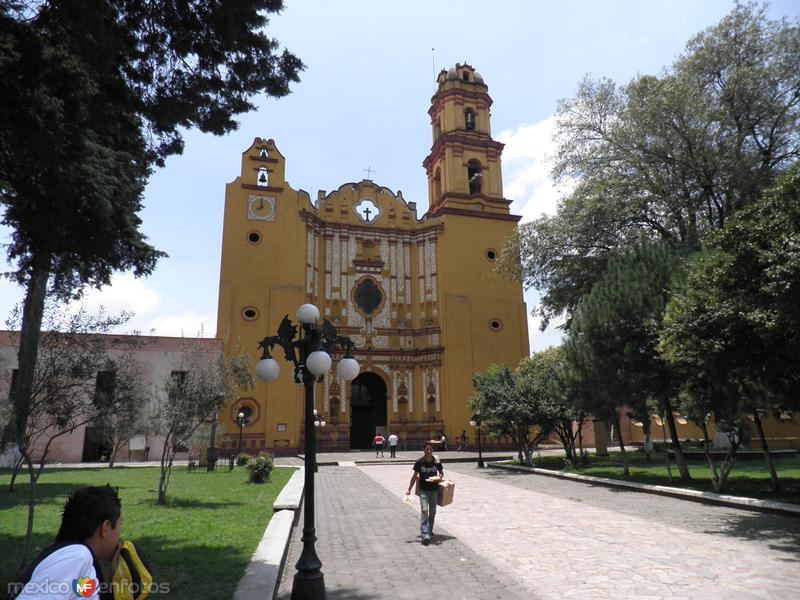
point(84, 586)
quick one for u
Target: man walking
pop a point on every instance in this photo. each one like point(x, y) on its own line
point(393, 445)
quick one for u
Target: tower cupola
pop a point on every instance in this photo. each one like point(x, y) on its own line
point(463, 166)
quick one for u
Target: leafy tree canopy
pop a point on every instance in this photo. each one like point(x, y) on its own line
point(671, 156)
point(735, 329)
point(94, 95)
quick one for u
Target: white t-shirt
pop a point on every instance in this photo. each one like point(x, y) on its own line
point(59, 575)
point(393, 440)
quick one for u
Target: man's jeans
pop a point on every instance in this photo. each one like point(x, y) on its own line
point(427, 504)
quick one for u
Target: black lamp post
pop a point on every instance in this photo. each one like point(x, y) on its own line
point(310, 355)
point(476, 423)
point(241, 421)
point(318, 422)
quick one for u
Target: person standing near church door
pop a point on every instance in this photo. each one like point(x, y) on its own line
point(393, 445)
point(429, 471)
point(378, 442)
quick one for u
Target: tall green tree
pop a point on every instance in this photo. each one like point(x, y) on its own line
point(671, 156)
point(504, 409)
point(542, 382)
point(612, 345)
point(734, 331)
point(95, 95)
point(74, 348)
point(130, 394)
point(201, 383)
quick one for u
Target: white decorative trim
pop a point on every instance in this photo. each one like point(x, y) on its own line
point(421, 261)
point(309, 261)
point(436, 385)
point(380, 341)
point(326, 405)
point(410, 386)
point(316, 265)
point(434, 273)
point(407, 255)
point(342, 395)
point(424, 391)
point(336, 267)
point(393, 274)
point(394, 385)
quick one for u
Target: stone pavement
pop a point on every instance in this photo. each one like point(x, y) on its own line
point(520, 535)
point(369, 544)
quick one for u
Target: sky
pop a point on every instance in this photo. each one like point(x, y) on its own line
point(362, 103)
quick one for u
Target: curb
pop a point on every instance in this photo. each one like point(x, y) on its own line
point(263, 573)
point(739, 502)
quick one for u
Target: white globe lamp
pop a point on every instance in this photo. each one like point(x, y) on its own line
point(318, 362)
point(308, 314)
point(348, 369)
point(268, 369)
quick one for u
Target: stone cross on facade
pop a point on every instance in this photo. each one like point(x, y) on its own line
point(367, 210)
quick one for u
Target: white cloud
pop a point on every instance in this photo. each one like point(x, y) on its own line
point(527, 162)
point(540, 340)
point(188, 324)
point(126, 293)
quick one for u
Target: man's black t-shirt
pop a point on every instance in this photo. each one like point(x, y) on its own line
point(428, 469)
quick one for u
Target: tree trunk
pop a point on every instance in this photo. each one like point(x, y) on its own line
point(648, 439)
point(773, 475)
point(583, 456)
point(162, 481)
point(625, 470)
point(112, 455)
point(34, 476)
point(680, 459)
point(727, 465)
point(711, 464)
point(30, 331)
point(666, 450)
point(14, 472)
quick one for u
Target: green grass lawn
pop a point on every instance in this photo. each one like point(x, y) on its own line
point(748, 477)
point(200, 542)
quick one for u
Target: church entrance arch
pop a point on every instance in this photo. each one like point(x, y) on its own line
point(367, 409)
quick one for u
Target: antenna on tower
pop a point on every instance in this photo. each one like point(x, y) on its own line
point(433, 67)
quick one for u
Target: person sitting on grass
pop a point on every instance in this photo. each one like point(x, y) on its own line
point(69, 568)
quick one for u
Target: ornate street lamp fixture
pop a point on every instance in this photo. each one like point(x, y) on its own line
point(476, 423)
point(310, 354)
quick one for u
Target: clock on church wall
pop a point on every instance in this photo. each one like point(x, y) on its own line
point(261, 208)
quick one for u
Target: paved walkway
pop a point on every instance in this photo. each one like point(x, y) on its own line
point(518, 535)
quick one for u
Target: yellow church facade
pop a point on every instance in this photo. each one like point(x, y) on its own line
point(418, 295)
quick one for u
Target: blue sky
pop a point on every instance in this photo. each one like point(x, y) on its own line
point(362, 102)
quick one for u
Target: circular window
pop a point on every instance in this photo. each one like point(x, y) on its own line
point(247, 412)
point(253, 237)
point(495, 324)
point(368, 296)
point(491, 255)
point(249, 313)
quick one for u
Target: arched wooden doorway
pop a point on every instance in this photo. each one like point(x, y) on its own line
point(367, 409)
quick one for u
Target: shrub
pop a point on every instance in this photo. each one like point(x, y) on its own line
point(260, 468)
point(243, 459)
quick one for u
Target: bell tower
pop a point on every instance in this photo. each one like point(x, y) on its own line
point(463, 166)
